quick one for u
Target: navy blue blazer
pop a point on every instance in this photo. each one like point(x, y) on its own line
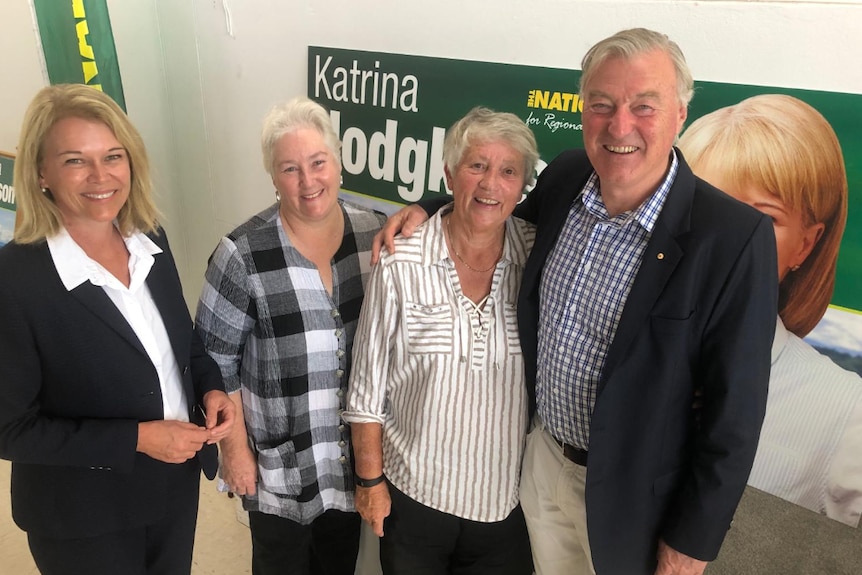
point(700, 316)
point(75, 382)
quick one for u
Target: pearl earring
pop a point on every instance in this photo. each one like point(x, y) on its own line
point(794, 268)
point(277, 196)
point(45, 190)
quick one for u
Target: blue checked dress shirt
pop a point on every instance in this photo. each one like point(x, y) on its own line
point(584, 287)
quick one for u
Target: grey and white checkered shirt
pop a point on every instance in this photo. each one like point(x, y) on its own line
point(584, 287)
point(267, 320)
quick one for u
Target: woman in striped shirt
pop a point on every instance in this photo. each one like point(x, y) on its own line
point(437, 402)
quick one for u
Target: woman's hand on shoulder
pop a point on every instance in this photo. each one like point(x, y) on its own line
point(404, 221)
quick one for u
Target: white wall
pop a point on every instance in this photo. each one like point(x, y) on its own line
point(20, 69)
point(139, 36)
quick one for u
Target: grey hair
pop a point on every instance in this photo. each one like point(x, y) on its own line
point(636, 41)
point(290, 116)
point(484, 125)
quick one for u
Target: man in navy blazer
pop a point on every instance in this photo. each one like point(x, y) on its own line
point(646, 316)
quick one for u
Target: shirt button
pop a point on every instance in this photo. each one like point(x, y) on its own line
point(338, 333)
point(342, 443)
point(334, 313)
point(339, 353)
point(561, 350)
point(343, 459)
point(341, 428)
point(339, 373)
point(339, 393)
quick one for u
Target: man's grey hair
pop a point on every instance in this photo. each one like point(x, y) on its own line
point(634, 42)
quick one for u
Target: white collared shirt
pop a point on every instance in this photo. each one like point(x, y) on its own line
point(812, 433)
point(136, 304)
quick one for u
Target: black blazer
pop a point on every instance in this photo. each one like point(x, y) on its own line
point(74, 383)
point(700, 316)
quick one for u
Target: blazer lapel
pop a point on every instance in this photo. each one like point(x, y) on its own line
point(663, 253)
point(659, 261)
point(550, 228)
point(171, 305)
point(167, 293)
point(97, 301)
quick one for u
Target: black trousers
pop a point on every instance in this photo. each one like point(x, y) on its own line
point(418, 540)
point(328, 546)
point(163, 548)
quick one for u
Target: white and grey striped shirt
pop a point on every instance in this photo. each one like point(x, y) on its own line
point(446, 383)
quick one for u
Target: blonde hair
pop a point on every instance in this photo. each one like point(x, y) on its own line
point(290, 116)
point(485, 125)
point(37, 216)
point(630, 43)
point(787, 148)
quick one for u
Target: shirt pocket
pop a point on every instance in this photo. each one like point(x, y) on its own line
point(429, 328)
point(278, 469)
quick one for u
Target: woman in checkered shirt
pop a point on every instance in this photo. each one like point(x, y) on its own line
point(278, 312)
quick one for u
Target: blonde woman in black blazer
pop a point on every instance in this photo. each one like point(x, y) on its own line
point(109, 405)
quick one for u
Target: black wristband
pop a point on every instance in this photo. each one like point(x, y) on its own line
point(368, 482)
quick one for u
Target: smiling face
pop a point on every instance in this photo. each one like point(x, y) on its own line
point(87, 170)
point(487, 184)
point(306, 175)
point(632, 115)
point(794, 237)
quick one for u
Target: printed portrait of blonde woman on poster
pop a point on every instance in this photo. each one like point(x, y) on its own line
point(781, 156)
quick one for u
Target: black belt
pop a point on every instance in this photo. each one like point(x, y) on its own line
point(574, 454)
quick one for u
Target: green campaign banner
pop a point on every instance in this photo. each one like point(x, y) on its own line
point(79, 45)
point(7, 198)
point(392, 110)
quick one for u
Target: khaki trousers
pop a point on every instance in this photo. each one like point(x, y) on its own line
point(552, 497)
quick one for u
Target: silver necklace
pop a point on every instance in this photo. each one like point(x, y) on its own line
point(457, 255)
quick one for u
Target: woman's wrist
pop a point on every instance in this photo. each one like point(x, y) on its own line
point(362, 482)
